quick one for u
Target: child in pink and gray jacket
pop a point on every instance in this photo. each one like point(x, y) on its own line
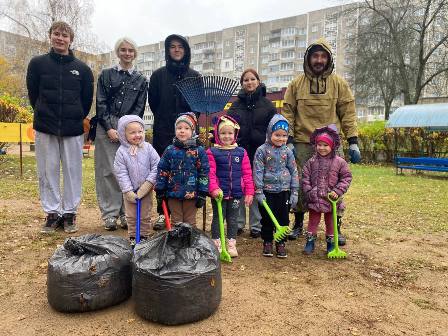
point(325, 173)
point(230, 178)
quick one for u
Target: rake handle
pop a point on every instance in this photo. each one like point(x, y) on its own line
point(268, 210)
point(335, 220)
point(167, 216)
point(137, 224)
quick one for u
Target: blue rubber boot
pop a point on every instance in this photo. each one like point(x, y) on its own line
point(309, 246)
point(330, 243)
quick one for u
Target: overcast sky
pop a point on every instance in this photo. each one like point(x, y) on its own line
point(150, 21)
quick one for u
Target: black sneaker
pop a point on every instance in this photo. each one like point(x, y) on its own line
point(123, 222)
point(255, 234)
point(52, 222)
point(267, 249)
point(70, 223)
point(110, 224)
point(280, 250)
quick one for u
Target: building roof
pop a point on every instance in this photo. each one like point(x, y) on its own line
point(430, 116)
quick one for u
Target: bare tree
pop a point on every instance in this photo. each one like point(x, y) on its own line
point(406, 42)
point(32, 18)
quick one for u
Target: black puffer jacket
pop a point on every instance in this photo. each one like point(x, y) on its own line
point(164, 98)
point(253, 112)
point(119, 93)
point(60, 89)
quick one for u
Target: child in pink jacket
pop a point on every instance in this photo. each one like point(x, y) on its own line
point(325, 173)
point(230, 177)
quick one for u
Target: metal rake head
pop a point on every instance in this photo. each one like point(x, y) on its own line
point(207, 94)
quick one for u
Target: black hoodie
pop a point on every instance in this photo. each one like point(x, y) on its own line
point(164, 99)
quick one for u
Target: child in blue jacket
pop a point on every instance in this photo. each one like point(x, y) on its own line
point(182, 173)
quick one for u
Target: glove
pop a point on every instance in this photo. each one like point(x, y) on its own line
point(200, 201)
point(293, 199)
point(144, 189)
point(354, 153)
point(130, 196)
point(260, 197)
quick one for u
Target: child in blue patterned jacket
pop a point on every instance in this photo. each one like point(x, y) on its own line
point(276, 182)
point(182, 175)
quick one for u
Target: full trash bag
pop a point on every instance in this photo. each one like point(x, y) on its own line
point(176, 277)
point(89, 272)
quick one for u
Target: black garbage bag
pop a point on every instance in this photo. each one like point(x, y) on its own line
point(176, 277)
point(89, 272)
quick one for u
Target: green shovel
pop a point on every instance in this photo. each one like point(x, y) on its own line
point(281, 232)
point(335, 253)
point(224, 256)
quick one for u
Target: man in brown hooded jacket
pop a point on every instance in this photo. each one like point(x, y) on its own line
point(315, 99)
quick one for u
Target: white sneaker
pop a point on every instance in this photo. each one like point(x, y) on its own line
point(231, 248)
point(218, 244)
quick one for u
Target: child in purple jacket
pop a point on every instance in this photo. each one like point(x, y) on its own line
point(135, 168)
point(325, 173)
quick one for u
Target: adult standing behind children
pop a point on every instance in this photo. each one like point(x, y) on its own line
point(165, 101)
point(314, 99)
point(253, 111)
point(60, 89)
point(121, 90)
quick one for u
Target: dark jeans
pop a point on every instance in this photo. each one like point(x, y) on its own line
point(230, 212)
point(279, 204)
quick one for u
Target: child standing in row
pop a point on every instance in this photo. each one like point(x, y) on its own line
point(182, 177)
point(230, 178)
point(325, 173)
point(276, 181)
point(135, 168)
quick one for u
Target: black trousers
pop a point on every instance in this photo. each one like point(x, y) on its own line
point(279, 204)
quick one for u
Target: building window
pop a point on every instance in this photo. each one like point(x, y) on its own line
point(274, 57)
point(301, 44)
point(288, 54)
point(314, 28)
point(265, 38)
point(288, 43)
point(301, 31)
point(289, 31)
point(287, 66)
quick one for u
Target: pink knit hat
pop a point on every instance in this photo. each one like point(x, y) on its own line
point(325, 137)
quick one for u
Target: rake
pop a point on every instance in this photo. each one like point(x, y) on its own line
point(224, 256)
point(207, 94)
point(281, 232)
point(335, 253)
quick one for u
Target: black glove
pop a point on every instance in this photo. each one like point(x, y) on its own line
point(200, 201)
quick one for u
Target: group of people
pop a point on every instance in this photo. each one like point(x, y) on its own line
point(290, 161)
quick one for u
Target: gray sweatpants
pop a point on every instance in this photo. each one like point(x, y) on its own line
point(108, 193)
point(51, 151)
point(254, 216)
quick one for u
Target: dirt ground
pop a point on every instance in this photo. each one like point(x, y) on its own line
point(386, 286)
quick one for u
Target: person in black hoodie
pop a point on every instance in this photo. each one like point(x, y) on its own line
point(121, 90)
point(165, 101)
point(60, 89)
point(253, 111)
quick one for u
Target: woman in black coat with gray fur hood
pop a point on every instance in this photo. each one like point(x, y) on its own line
point(253, 111)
